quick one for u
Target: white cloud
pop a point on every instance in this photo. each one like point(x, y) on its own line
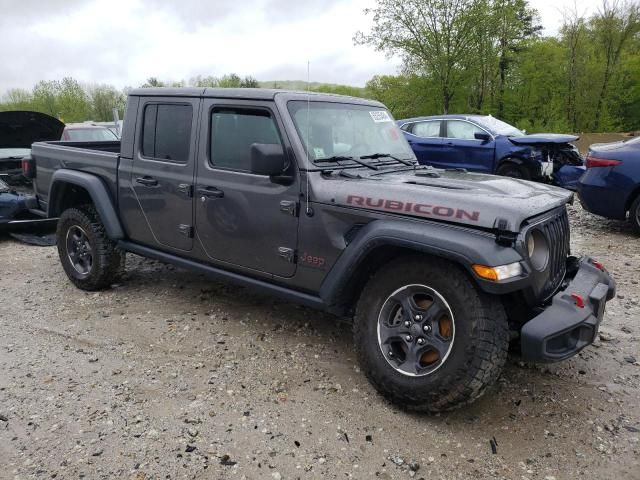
point(123, 42)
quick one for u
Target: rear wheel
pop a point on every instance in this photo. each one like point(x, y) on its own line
point(89, 257)
point(513, 170)
point(426, 338)
point(634, 214)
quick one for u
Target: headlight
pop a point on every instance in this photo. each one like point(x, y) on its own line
point(495, 274)
point(538, 249)
point(531, 245)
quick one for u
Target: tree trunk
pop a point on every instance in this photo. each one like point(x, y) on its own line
point(503, 75)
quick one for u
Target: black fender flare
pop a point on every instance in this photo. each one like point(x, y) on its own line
point(98, 192)
point(460, 245)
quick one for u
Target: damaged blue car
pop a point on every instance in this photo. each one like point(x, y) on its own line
point(482, 143)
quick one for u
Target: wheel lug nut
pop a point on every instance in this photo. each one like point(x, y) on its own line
point(407, 323)
point(418, 318)
point(427, 328)
point(421, 341)
point(390, 353)
point(408, 338)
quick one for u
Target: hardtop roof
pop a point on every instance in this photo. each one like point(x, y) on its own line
point(246, 93)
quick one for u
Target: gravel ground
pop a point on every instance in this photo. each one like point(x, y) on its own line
point(172, 376)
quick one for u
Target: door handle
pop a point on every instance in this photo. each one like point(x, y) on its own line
point(210, 192)
point(147, 181)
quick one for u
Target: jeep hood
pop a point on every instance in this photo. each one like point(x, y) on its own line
point(478, 200)
point(19, 129)
point(543, 139)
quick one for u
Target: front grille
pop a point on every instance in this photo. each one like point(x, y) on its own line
point(558, 234)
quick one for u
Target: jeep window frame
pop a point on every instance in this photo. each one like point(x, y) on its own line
point(236, 107)
point(141, 138)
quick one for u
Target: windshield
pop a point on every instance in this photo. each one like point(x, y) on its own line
point(14, 152)
point(341, 129)
point(498, 127)
point(90, 135)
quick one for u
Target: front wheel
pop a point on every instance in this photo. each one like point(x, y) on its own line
point(89, 257)
point(513, 170)
point(426, 338)
point(634, 214)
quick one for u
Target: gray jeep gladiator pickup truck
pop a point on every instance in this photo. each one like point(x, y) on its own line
point(319, 199)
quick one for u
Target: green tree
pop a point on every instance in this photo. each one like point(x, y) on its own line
point(72, 101)
point(614, 26)
point(230, 81)
point(431, 36)
point(249, 82)
point(404, 95)
point(104, 98)
point(45, 97)
point(515, 24)
point(152, 82)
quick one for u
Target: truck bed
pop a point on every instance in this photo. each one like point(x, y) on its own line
point(98, 158)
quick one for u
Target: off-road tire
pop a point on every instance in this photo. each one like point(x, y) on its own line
point(107, 260)
point(513, 170)
point(479, 349)
point(634, 214)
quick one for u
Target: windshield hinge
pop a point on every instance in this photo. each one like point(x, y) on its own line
point(289, 254)
point(186, 230)
point(504, 236)
point(290, 207)
point(186, 189)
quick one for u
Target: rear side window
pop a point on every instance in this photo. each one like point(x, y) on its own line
point(166, 132)
point(427, 129)
point(233, 131)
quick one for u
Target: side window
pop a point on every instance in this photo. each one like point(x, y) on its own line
point(233, 131)
point(166, 132)
point(462, 130)
point(427, 129)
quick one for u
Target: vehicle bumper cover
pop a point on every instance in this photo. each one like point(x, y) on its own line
point(565, 327)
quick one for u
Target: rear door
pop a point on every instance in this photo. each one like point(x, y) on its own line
point(426, 142)
point(243, 219)
point(462, 150)
point(163, 169)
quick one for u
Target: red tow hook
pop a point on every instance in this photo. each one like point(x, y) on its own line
point(597, 264)
point(579, 300)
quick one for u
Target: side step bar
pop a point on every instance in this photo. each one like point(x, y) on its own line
point(226, 276)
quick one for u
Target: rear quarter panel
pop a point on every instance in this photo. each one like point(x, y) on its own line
point(52, 156)
point(609, 191)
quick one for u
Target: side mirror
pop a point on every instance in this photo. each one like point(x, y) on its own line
point(485, 137)
point(267, 159)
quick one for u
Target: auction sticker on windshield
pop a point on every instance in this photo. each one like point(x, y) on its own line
point(380, 116)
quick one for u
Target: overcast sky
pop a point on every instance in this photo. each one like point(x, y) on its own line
point(123, 42)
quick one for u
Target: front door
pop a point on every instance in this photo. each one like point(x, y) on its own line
point(243, 219)
point(163, 170)
point(462, 149)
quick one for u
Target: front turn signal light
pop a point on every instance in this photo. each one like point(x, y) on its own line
point(495, 274)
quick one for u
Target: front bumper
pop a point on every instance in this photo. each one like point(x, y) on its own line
point(571, 321)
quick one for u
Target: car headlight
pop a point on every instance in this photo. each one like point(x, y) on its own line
point(537, 154)
point(502, 272)
point(538, 249)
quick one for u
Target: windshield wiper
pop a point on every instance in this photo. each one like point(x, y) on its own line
point(375, 156)
point(338, 158)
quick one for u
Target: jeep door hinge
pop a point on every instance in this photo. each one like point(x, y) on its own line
point(289, 254)
point(290, 207)
point(186, 230)
point(186, 189)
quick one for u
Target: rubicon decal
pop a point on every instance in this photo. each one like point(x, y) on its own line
point(421, 209)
